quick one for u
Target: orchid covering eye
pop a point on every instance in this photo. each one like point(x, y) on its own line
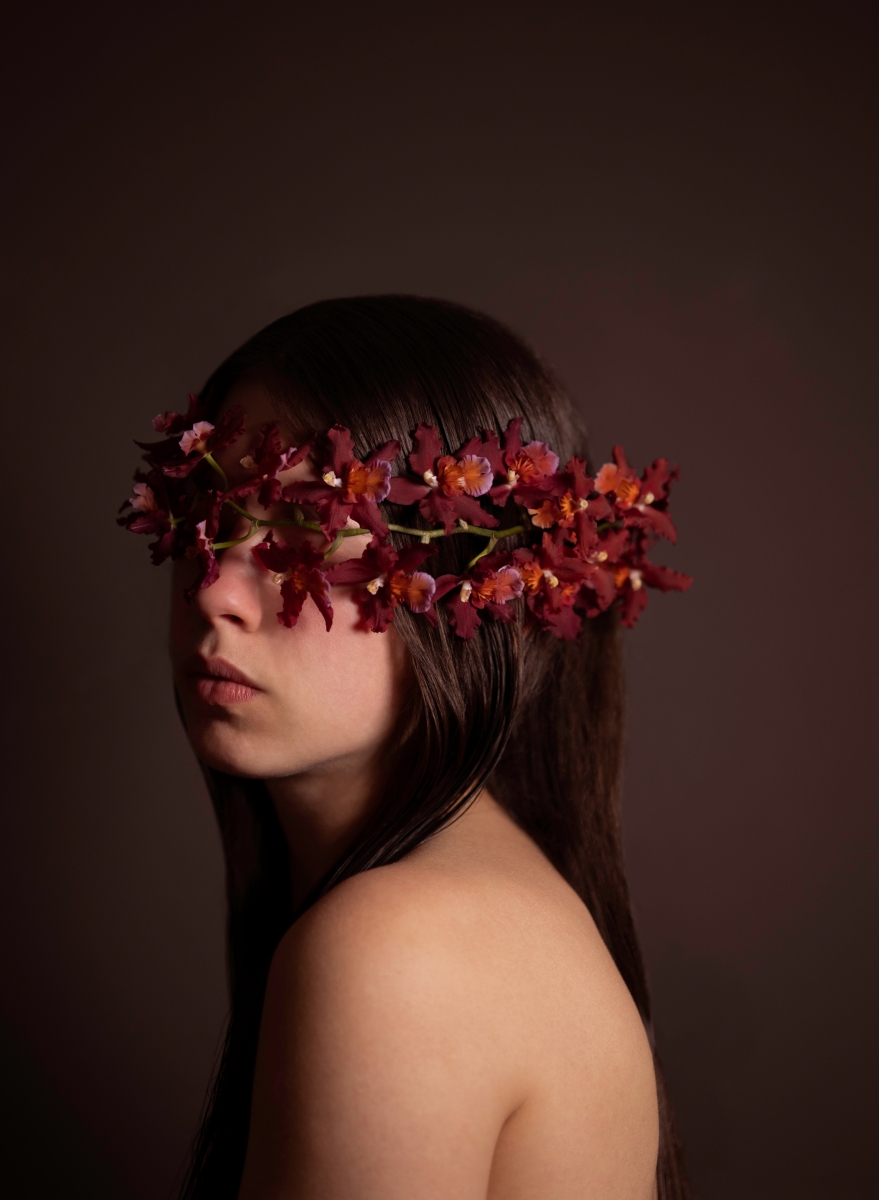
point(299, 572)
point(580, 543)
point(348, 488)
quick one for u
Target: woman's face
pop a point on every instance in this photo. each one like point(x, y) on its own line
point(264, 701)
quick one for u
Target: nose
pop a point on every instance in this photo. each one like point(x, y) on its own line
point(237, 594)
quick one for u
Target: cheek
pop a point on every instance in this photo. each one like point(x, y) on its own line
point(185, 623)
point(347, 685)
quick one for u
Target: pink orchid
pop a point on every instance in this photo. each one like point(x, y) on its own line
point(178, 457)
point(204, 438)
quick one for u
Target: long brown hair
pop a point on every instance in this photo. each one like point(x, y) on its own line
point(380, 365)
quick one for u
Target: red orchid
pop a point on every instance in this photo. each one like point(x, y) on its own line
point(620, 479)
point(592, 554)
point(641, 503)
point(151, 508)
point(147, 515)
point(267, 462)
point(632, 583)
point(446, 485)
point(603, 557)
point(569, 505)
point(299, 570)
point(552, 575)
point(204, 438)
point(347, 487)
point(178, 457)
point(527, 470)
point(170, 423)
point(203, 548)
point(491, 584)
point(204, 552)
point(391, 579)
point(649, 510)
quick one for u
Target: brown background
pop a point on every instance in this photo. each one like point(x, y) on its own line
point(679, 209)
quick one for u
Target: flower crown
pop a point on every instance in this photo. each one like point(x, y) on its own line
point(586, 539)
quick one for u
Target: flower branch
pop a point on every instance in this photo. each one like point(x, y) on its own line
point(585, 540)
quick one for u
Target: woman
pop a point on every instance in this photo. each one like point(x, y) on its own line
point(436, 985)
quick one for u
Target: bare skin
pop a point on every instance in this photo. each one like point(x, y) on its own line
point(449, 1026)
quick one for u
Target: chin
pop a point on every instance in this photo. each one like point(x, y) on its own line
point(225, 749)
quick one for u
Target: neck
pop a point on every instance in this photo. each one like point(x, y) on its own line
point(321, 811)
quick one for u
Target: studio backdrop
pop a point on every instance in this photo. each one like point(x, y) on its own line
point(678, 209)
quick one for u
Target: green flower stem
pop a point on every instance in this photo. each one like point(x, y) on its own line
point(237, 541)
point(299, 524)
point(337, 541)
point(209, 458)
point(342, 533)
point(424, 535)
point(487, 549)
point(241, 510)
point(479, 530)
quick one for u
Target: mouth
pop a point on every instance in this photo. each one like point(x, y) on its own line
point(216, 681)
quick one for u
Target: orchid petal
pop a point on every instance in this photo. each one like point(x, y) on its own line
point(426, 449)
point(405, 491)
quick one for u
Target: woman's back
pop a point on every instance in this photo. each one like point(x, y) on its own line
point(452, 1025)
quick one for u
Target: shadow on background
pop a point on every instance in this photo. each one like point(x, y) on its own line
point(44, 1147)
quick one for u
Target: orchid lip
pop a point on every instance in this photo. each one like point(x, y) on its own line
point(218, 668)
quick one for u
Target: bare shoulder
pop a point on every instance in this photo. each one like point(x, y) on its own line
point(400, 959)
point(379, 914)
point(392, 936)
point(447, 937)
point(449, 1025)
point(378, 1072)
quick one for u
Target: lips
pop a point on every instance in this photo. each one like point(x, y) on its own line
point(216, 681)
